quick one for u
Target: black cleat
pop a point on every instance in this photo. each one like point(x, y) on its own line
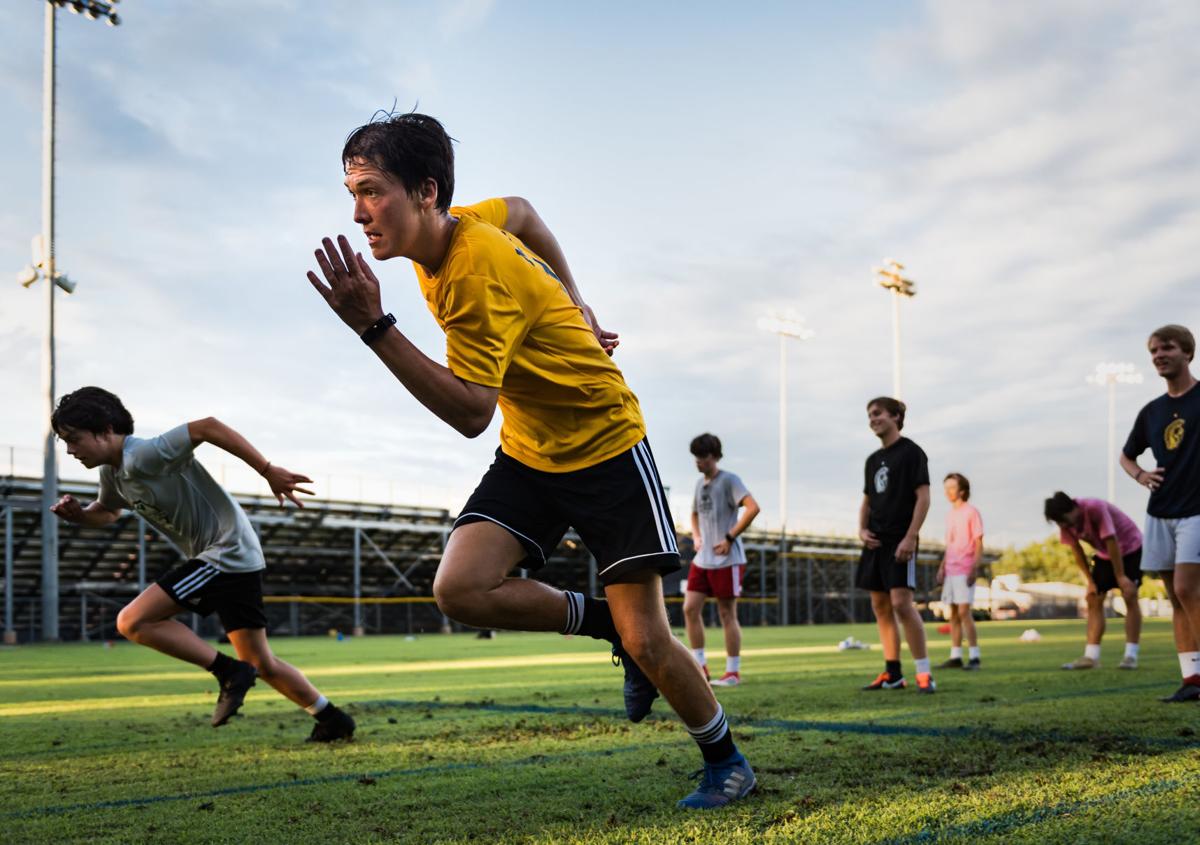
point(639, 691)
point(233, 692)
point(337, 725)
point(1187, 692)
point(952, 663)
point(973, 665)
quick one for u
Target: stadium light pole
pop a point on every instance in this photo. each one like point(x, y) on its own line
point(786, 325)
point(1109, 374)
point(889, 276)
point(43, 267)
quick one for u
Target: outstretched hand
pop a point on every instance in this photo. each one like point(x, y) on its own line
point(68, 508)
point(284, 483)
point(608, 340)
point(352, 290)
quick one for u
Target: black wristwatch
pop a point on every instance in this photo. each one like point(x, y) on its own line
point(730, 537)
point(377, 329)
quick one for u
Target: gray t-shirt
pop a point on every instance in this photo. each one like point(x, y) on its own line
point(161, 480)
point(716, 505)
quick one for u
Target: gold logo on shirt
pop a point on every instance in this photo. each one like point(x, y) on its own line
point(1173, 435)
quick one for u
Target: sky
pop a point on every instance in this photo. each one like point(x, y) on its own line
point(1035, 166)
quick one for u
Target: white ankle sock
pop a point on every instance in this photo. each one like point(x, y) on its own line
point(956, 652)
point(1131, 650)
point(1092, 651)
point(1189, 663)
point(922, 666)
point(974, 652)
point(733, 664)
point(317, 706)
point(698, 653)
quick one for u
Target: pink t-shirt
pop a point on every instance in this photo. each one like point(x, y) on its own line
point(1101, 521)
point(964, 526)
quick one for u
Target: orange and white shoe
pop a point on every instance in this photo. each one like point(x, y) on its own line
point(925, 682)
point(729, 679)
point(884, 681)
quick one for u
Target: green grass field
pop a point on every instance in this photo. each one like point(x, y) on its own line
point(523, 739)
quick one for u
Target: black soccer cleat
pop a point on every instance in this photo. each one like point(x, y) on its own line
point(952, 663)
point(639, 691)
point(1187, 692)
point(233, 692)
point(337, 725)
point(974, 665)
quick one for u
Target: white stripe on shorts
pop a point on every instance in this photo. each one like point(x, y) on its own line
point(507, 528)
point(196, 580)
point(654, 491)
point(912, 572)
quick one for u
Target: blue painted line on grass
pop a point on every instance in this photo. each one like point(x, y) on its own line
point(312, 781)
point(1013, 820)
point(797, 725)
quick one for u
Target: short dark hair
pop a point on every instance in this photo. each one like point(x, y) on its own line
point(706, 444)
point(893, 406)
point(964, 486)
point(91, 409)
point(1058, 506)
point(1178, 335)
point(411, 147)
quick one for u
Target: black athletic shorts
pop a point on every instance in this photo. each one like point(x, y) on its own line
point(237, 597)
point(1106, 579)
point(879, 571)
point(618, 507)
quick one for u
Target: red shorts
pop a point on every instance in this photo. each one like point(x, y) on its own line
point(723, 583)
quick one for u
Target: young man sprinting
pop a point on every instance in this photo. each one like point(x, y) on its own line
point(964, 550)
point(573, 448)
point(1169, 427)
point(895, 503)
point(1115, 566)
point(720, 561)
point(159, 478)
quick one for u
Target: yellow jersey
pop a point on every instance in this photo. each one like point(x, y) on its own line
point(510, 324)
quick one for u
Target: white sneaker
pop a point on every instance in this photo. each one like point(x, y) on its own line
point(1128, 662)
point(1084, 662)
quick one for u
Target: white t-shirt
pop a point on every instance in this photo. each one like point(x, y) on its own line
point(716, 505)
point(161, 480)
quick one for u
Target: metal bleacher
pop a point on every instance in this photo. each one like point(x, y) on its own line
point(363, 567)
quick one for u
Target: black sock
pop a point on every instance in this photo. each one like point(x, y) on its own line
point(222, 666)
point(326, 712)
point(714, 739)
point(893, 669)
point(589, 617)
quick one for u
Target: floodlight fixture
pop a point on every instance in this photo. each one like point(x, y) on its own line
point(890, 277)
point(785, 323)
point(26, 276)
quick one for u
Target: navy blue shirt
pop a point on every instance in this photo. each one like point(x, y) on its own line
point(1170, 428)
point(892, 478)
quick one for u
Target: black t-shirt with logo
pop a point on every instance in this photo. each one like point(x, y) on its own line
point(892, 478)
point(1170, 428)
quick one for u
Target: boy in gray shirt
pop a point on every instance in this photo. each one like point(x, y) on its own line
point(720, 561)
point(161, 480)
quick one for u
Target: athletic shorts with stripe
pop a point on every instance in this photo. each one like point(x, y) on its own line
point(723, 582)
point(618, 507)
point(879, 571)
point(236, 597)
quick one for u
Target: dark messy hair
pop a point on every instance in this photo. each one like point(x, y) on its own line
point(1058, 506)
point(964, 486)
point(894, 407)
point(706, 444)
point(91, 409)
point(410, 147)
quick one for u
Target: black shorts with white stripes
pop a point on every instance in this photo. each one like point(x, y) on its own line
point(237, 597)
point(618, 507)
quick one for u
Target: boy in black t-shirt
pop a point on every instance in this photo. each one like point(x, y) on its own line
point(1171, 546)
point(895, 503)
